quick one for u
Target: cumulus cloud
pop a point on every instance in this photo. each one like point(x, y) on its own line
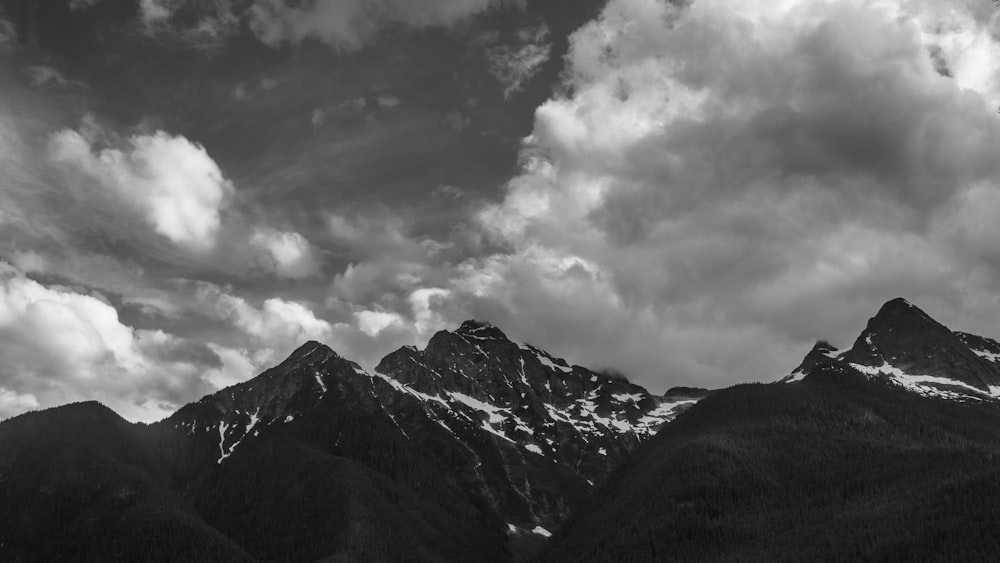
point(58, 345)
point(374, 322)
point(277, 325)
point(287, 254)
point(722, 182)
point(170, 182)
point(350, 24)
point(268, 332)
point(386, 260)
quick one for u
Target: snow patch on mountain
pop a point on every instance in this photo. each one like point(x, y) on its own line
point(665, 412)
point(987, 355)
point(545, 358)
point(627, 397)
point(496, 414)
point(927, 385)
point(541, 532)
point(403, 388)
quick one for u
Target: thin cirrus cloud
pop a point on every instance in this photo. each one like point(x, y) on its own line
point(351, 24)
point(343, 24)
point(515, 63)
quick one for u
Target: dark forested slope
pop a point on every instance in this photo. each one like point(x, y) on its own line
point(836, 467)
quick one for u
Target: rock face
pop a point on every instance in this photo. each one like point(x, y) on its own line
point(526, 433)
point(552, 429)
point(904, 345)
point(471, 449)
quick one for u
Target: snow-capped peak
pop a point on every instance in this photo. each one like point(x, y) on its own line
point(904, 345)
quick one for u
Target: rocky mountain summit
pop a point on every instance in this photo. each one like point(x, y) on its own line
point(524, 430)
point(905, 346)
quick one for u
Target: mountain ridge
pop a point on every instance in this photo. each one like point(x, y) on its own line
point(480, 448)
point(474, 432)
point(905, 345)
point(883, 451)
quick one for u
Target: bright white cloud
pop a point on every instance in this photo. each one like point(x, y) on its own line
point(58, 346)
point(374, 322)
point(277, 327)
point(426, 317)
point(172, 183)
point(238, 365)
point(287, 254)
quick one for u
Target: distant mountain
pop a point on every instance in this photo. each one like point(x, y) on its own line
point(886, 451)
point(469, 450)
point(905, 346)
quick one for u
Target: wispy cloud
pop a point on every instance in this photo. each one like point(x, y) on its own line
point(515, 63)
point(350, 24)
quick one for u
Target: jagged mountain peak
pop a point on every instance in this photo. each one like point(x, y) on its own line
point(524, 432)
point(904, 336)
point(310, 374)
point(481, 330)
point(899, 313)
point(470, 335)
point(897, 303)
point(823, 347)
point(908, 347)
point(310, 349)
point(896, 328)
point(822, 353)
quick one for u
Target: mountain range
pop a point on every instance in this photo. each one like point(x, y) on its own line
point(478, 448)
point(471, 449)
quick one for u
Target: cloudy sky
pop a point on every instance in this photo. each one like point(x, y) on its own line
point(690, 193)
